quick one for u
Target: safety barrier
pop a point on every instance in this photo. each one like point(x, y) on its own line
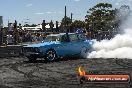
point(10, 50)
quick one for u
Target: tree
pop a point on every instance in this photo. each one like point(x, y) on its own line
point(78, 24)
point(33, 25)
point(51, 24)
point(102, 15)
point(43, 25)
point(65, 24)
point(57, 24)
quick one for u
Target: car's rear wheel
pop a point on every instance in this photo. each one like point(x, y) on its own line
point(50, 55)
point(84, 52)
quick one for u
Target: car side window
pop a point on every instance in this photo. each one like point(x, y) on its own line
point(65, 38)
point(73, 37)
point(81, 37)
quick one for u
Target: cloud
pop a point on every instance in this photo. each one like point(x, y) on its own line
point(49, 12)
point(117, 3)
point(29, 5)
point(54, 12)
point(39, 13)
point(77, 0)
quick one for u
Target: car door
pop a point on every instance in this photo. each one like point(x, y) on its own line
point(65, 46)
point(83, 42)
point(75, 45)
point(78, 43)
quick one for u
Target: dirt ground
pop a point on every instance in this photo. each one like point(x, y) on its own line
point(17, 72)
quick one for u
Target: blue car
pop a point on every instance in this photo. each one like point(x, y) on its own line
point(57, 46)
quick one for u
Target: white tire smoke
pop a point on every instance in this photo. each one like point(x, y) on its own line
point(118, 47)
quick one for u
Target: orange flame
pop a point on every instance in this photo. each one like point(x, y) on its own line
point(81, 71)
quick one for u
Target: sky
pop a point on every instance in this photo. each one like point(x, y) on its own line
point(35, 11)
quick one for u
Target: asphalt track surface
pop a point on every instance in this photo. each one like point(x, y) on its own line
point(17, 72)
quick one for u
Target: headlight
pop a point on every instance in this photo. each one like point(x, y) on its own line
point(36, 49)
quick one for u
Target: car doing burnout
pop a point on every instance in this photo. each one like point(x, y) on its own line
point(56, 46)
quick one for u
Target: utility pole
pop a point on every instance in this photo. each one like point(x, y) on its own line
point(71, 16)
point(65, 20)
point(65, 11)
point(71, 28)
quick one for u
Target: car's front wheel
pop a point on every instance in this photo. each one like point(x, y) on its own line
point(50, 55)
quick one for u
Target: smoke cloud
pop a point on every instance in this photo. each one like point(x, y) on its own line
point(118, 47)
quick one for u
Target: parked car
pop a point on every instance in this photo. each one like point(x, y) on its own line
point(56, 46)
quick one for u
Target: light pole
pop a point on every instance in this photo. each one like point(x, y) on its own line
point(71, 16)
point(65, 20)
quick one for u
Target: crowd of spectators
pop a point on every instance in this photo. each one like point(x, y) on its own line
point(19, 36)
point(23, 36)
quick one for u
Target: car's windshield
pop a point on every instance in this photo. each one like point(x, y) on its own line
point(51, 38)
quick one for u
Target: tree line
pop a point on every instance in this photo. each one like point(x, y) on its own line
point(101, 17)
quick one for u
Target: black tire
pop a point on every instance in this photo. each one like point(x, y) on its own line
point(31, 59)
point(83, 53)
point(50, 55)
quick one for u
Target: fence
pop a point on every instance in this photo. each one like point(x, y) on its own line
point(10, 50)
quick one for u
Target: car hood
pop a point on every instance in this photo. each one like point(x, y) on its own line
point(42, 44)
